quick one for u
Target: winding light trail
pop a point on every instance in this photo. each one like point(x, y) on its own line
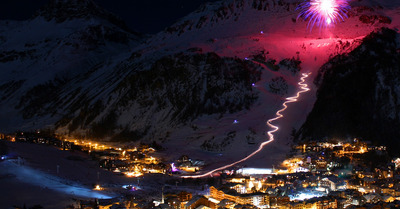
point(303, 88)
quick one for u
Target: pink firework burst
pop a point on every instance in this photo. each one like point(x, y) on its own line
point(323, 13)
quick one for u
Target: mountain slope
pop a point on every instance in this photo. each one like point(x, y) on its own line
point(205, 86)
point(40, 58)
point(359, 93)
point(175, 90)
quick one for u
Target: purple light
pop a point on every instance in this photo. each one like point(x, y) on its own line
point(173, 168)
point(253, 84)
point(130, 188)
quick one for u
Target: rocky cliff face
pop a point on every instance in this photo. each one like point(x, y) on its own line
point(174, 91)
point(359, 93)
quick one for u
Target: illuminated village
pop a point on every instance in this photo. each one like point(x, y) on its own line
point(331, 174)
point(282, 104)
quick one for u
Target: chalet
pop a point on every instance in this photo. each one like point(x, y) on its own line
point(198, 201)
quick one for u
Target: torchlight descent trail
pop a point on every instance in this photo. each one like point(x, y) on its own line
point(303, 88)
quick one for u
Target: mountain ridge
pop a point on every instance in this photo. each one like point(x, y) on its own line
point(64, 10)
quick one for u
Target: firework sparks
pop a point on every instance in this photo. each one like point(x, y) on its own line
point(323, 13)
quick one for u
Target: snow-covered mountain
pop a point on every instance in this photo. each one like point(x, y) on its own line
point(206, 84)
point(41, 58)
point(359, 94)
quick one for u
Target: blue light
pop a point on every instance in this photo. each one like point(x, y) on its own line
point(39, 178)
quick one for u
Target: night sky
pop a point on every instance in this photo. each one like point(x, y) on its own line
point(140, 15)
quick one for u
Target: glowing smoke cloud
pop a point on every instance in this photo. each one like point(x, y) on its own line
point(323, 13)
point(304, 88)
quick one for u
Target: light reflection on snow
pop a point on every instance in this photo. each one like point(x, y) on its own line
point(39, 178)
point(305, 195)
point(254, 171)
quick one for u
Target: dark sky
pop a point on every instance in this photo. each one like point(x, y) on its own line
point(146, 16)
